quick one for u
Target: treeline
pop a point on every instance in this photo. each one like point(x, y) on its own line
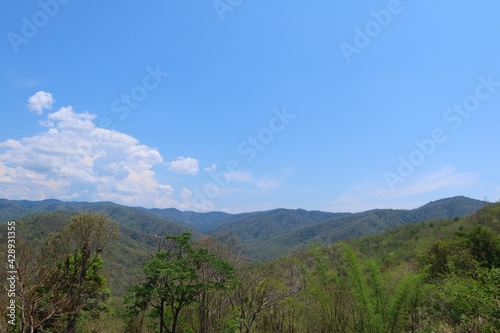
point(437, 276)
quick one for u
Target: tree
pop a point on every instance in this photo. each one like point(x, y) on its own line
point(484, 246)
point(256, 291)
point(82, 243)
point(214, 307)
point(174, 279)
point(285, 315)
point(60, 278)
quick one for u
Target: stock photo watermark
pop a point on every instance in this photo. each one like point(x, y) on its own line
point(10, 264)
point(122, 106)
point(454, 117)
point(223, 6)
point(363, 36)
point(32, 25)
point(150, 81)
point(248, 149)
point(139, 92)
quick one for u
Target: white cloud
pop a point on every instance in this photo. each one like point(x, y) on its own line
point(189, 202)
point(40, 101)
point(213, 167)
point(186, 194)
point(184, 165)
point(76, 160)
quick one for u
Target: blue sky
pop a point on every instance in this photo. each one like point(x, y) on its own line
point(239, 105)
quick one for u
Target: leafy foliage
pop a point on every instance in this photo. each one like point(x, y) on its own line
point(175, 277)
point(266, 235)
point(59, 278)
point(441, 275)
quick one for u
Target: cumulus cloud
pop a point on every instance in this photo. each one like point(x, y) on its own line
point(73, 159)
point(184, 165)
point(40, 101)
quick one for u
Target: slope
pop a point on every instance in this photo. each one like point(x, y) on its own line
point(356, 225)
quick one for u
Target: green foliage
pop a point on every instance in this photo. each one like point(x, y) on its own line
point(58, 277)
point(378, 307)
point(266, 235)
point(484, 246)
point(438, 276)
point(174, 280)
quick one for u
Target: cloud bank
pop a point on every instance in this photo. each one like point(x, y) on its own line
point(73, 159)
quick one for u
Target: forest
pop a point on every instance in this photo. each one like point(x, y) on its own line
point(441, 275)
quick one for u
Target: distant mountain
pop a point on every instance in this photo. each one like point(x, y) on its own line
point(133, 218)
point(267, 223)
point(271, 245)
point(265, 234)
point(204, 222)
point(449, 207)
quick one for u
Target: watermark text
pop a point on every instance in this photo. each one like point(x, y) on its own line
point(454, 117)
point(11, 272)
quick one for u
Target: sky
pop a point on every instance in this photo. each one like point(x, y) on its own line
point(237, 106)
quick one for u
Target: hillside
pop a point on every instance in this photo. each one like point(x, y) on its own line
point(415, 268)
point(122, 259)
point(271, 244)
point(265, 234)
point(203, 222)
point(136, 219)
point(265, 224)
point(407, 276)
point(404, 242)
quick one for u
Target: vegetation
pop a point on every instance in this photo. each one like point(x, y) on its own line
point(177, 276)
point(441, 275)
point(59, 281)
point(265, 235)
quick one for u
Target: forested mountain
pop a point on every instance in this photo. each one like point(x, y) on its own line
point(276, 232)
point(136, 219)
point(264, 234)
point(203, 222)
point(441, 275)
point(377, 220)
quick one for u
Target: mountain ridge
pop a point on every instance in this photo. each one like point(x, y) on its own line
point(264, 234)
point(46, 203)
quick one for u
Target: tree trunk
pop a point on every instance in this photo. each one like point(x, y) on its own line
point(162, 318)
point(71, 324)
point(203, 313)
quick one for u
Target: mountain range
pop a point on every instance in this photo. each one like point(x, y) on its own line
point(264, 234)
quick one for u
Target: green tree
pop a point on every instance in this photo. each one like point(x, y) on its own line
point(174, 279)
point(61, 278)
point(214, 311)
point(484, 246)
point(82, 243)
